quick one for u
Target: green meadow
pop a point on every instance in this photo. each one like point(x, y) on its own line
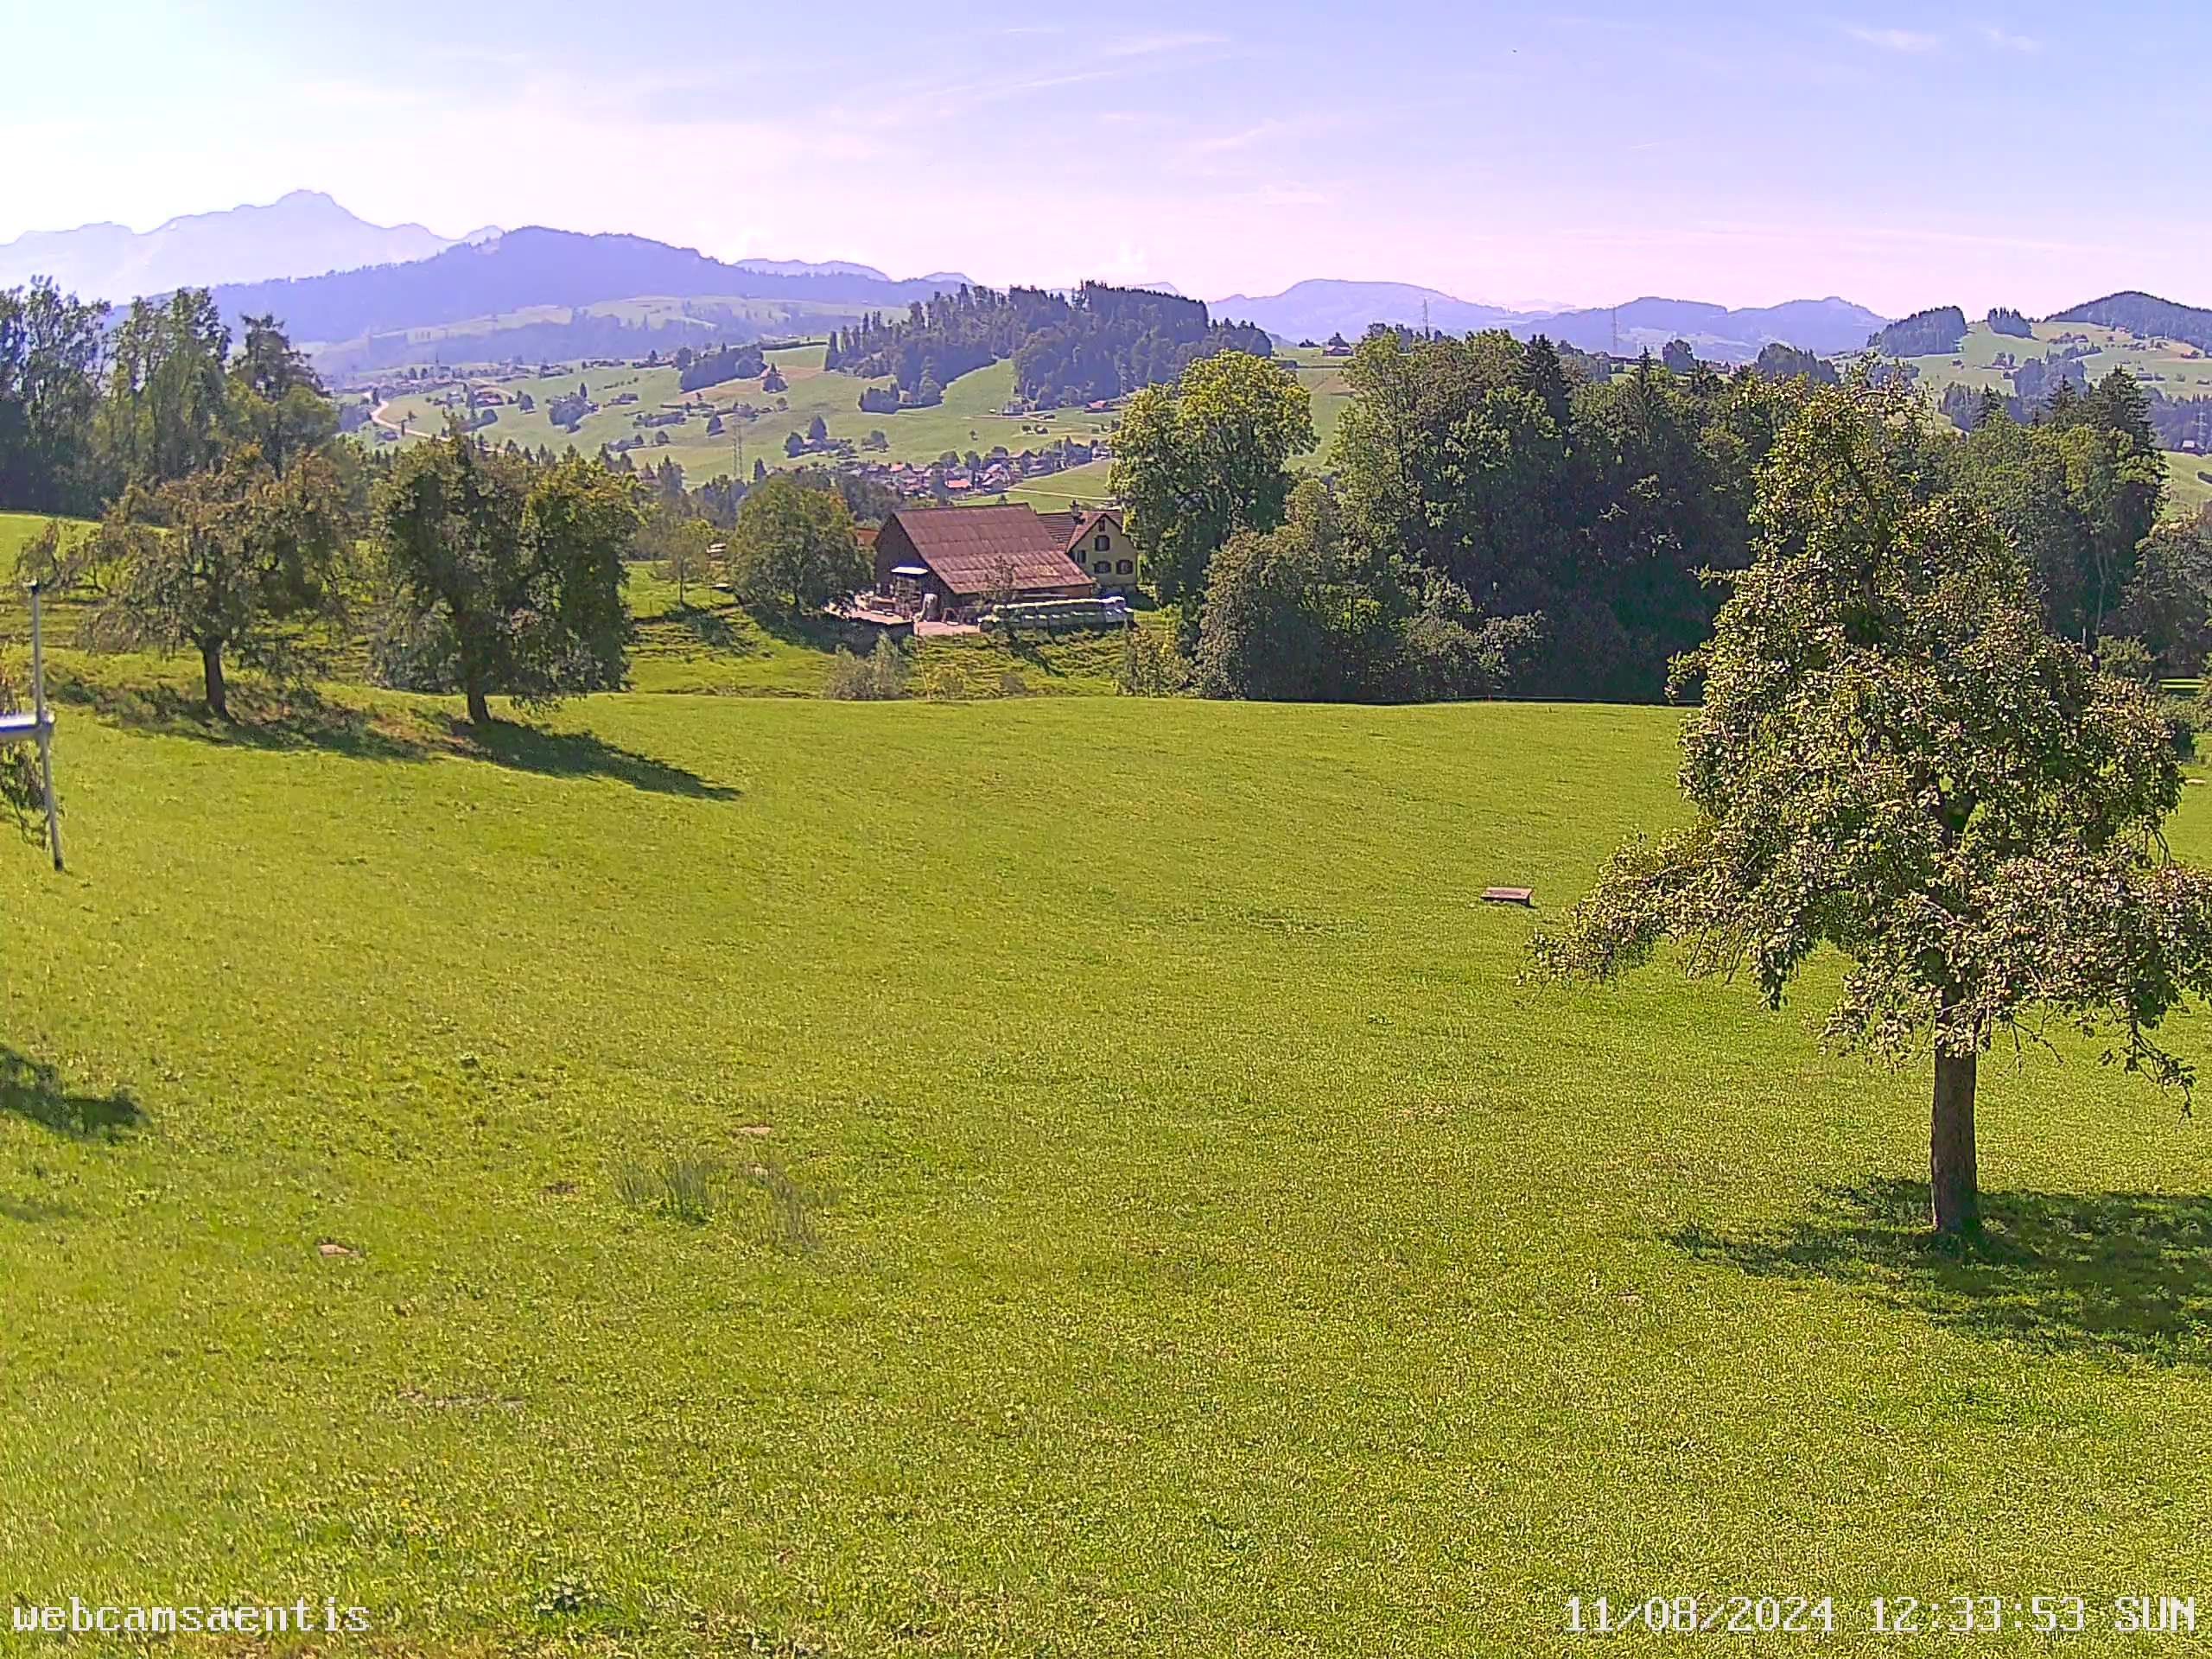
point(1077, 1175)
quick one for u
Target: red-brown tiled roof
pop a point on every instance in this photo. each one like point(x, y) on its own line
point(975, 549)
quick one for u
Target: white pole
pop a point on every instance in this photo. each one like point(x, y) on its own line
point(44, 720)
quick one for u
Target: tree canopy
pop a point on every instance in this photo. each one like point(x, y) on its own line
point(506, 576)
point(794, 546)
point(1203, 457)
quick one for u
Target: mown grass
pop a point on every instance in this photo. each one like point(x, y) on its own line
point(1187, 1237)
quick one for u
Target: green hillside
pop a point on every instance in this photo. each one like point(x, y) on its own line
point(970, 418)
point(2166, 367)
point(1138, 1209)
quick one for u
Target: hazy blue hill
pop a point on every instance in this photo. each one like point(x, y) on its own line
point(536, 266)
point(1717, 333)
point(1320, 307)
point(1315, 309)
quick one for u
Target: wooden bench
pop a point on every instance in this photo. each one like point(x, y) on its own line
point(1510, 896)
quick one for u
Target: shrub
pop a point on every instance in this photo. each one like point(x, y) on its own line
point(1151, 666)
point(879, 676)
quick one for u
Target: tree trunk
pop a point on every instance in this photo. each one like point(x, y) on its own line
point(1951, 1186)
point(480, 710)
point(211, 668)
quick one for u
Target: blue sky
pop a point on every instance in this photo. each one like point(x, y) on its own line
point(2016, 153)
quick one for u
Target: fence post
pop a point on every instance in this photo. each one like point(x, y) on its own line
point(43, 720)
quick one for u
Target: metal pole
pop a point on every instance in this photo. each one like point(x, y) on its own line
point(44, 720)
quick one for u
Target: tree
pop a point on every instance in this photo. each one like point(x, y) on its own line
point(278, 402)
point(796, 545)
point(168, 410)
point(1202, 457)
point(817, 430)
point(507, 576)
point(1894, 757)
point(218, 561)
point(1677, 358)
point(50, 362)
point(677, 542)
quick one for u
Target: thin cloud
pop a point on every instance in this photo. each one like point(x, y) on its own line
point(1893, 39)
point(2008, 40)
point(1147, 45)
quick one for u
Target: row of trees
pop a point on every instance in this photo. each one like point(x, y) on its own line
point(1491, 519)
point(232, 524)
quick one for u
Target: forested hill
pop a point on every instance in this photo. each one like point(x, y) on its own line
point(531, 267)
point(1101, 343)
point(1924, 334)
point(2147, 315)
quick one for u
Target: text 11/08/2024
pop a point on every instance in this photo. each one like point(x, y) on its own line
point(1938, 1615)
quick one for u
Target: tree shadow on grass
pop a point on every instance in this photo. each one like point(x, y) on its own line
point(262, 717)
point(2125, 1275)
point(33, 1090)
point(580, 754)
point(816, 630)
point(299, 718)
point(708, 627)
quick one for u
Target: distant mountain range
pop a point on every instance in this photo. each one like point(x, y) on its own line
point(333, 277)
point(539, 267)
point(1315, 309)
point(1320, 306)
point(303, 234)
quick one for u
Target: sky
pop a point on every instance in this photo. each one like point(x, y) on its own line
point(2025, 154)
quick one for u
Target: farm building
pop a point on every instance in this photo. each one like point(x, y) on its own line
point(953, 560)
point(1099, 543)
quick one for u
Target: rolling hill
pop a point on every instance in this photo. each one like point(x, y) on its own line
point(539, 267)
point(1714, 332)
point(2147, 315)
point(1315, 309)
point(1320, 307)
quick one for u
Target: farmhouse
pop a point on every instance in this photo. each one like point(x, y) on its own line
point(1099, 543)
point(953, 560)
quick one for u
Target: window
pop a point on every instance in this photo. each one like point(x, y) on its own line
point(1103, 544)
point(1127, 566)
point(1103, 568)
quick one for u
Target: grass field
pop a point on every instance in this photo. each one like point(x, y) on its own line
point(1140, 1212)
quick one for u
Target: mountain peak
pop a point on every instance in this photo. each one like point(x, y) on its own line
point(301, 233)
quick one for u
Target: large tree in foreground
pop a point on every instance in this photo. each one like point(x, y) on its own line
point(1894, 757)
point(509, 575)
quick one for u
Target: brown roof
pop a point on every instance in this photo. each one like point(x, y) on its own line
point(1091, 521)
point(973, 550)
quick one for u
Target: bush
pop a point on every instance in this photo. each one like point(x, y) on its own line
point(879, 676)
point(1151, 666)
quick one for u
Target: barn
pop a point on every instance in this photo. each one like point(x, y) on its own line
point(963, 557)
